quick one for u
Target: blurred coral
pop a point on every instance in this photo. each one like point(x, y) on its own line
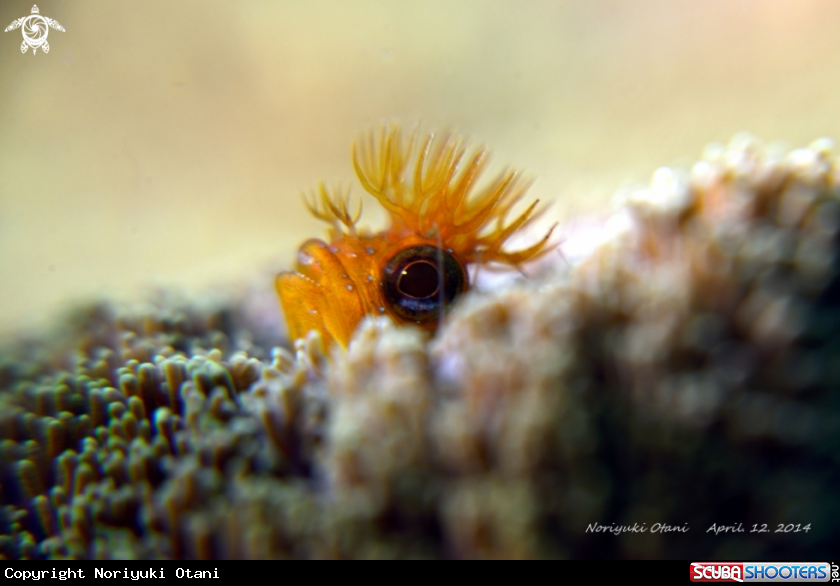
point(684, 374)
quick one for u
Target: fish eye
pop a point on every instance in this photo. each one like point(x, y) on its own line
point(413, 278)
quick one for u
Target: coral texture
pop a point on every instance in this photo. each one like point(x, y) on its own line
point(683, 376)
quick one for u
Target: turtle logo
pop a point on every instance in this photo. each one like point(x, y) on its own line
point(35, 30)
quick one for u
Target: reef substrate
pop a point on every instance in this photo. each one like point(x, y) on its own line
point(682, 378)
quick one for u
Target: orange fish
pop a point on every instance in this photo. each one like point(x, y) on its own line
point(414, 270)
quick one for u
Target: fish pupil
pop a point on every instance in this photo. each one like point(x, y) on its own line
point(419, 280)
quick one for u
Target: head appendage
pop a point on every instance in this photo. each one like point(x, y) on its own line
point(333, 209)
point(439, 200)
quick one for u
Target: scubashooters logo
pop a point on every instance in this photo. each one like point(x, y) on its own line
point(760, 572)
point(35, 29)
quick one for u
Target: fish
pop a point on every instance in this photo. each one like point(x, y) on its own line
point(440, 222)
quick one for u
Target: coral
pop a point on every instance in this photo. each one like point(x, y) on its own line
point(683, 374)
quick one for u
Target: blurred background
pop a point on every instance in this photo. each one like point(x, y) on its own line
point(167, 143)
